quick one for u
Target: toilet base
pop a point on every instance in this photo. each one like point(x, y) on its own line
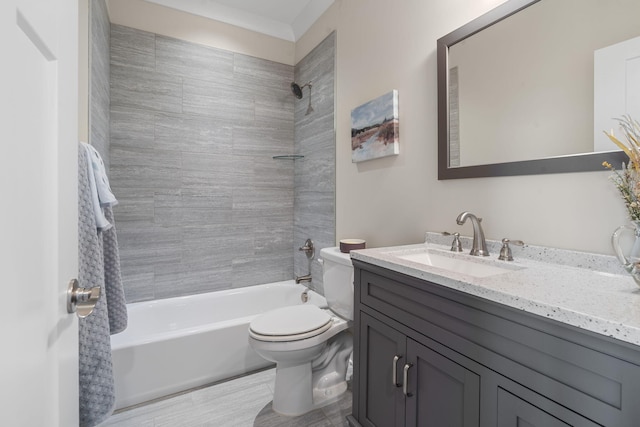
point(295, 395)
point(325, 396)
point(303, 387)
point(292, 395)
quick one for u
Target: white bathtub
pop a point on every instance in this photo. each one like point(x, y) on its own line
point(176, 344)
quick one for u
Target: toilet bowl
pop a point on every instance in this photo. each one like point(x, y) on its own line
point(311, 346)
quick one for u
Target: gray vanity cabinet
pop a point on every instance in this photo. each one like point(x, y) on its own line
point(513, 411)
point(428, 355)
point(383, 402)
point(439, 391)
point(383, 350)
point(408, 383)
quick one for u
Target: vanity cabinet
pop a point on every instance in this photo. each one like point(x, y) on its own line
point(514, 411)
point(410, 384)
point(428, 355)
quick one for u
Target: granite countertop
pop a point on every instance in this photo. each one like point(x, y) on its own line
point(589, 291)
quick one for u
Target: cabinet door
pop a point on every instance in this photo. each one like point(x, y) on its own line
point(440, 392)
point(382, 356)
point(516, 412)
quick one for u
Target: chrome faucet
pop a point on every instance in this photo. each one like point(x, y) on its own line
point(479, 247)
point(310, 251)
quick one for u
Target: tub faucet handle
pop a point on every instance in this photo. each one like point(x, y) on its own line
point(308, 248)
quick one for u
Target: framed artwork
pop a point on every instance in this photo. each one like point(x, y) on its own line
point(375, 128)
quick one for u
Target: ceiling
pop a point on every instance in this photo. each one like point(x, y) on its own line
point(284, 19)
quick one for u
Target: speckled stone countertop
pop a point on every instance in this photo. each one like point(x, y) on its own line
point(589, 291)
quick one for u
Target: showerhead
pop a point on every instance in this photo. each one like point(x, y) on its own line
point(296, 89)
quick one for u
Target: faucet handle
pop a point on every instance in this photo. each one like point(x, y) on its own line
point(308, 249)
point(505, 251)
point(456, 245)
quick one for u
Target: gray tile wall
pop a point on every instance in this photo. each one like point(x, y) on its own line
point(203, 206)
point(314, 189)
point(99, 96)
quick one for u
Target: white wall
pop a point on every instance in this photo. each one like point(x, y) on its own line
point(185, 26)
point(384, 45)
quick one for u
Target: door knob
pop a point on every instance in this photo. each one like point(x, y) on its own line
point(81, 301)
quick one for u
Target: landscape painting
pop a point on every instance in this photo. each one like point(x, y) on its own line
point(374, 128)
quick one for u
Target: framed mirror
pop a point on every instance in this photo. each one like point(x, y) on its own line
point(522, 91)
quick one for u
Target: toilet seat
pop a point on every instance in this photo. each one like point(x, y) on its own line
point(292, 323)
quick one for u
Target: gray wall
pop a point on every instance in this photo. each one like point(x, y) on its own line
point(315, 175)
point(99, 28)
point(203, 206)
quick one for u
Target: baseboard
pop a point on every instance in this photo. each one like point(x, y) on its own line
point(352, 421)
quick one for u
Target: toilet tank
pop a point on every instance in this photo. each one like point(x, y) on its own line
point(337, 278)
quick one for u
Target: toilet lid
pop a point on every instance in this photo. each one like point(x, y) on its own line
point(293, 320)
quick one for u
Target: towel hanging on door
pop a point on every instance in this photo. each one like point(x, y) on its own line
point(103, 200)
point(98, 266)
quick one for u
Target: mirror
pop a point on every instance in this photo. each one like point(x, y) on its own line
point(516, 88)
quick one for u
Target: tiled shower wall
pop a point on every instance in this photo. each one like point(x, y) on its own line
point(203, 206)
point(315, 175)
point(99, 78)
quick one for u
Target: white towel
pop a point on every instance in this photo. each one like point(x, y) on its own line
point(98, 184)
point(102, 181)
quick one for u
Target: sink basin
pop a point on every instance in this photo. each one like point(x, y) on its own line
point(458, 263)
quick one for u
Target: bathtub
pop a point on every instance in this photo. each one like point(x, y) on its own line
point(175, 344)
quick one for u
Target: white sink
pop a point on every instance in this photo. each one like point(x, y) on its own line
point(456, 262)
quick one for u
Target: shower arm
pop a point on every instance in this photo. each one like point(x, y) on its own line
point(309, 107)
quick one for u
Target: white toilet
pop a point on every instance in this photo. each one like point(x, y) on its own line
point(310, 346)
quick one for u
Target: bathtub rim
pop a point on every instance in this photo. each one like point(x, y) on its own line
point(123, 340)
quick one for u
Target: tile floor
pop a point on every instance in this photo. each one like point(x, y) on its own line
point(242, 402)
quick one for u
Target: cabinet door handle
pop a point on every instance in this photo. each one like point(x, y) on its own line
point(394, 371)
point(405, 385)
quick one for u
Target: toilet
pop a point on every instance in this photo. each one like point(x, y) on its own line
point(311, 346)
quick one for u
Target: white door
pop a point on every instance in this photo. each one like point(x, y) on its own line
point(616, 76)
point(38, 212)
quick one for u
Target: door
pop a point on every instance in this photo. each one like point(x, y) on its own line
point(38, 215)
point(616, 73)
point(382, 356)
point(439, 391)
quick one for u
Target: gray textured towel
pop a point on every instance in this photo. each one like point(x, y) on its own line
point(116, 303)
point(98, 264)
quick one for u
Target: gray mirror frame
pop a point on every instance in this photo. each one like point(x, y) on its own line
point(563, 164)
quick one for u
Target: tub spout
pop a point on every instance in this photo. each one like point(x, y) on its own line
point(306, 278)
